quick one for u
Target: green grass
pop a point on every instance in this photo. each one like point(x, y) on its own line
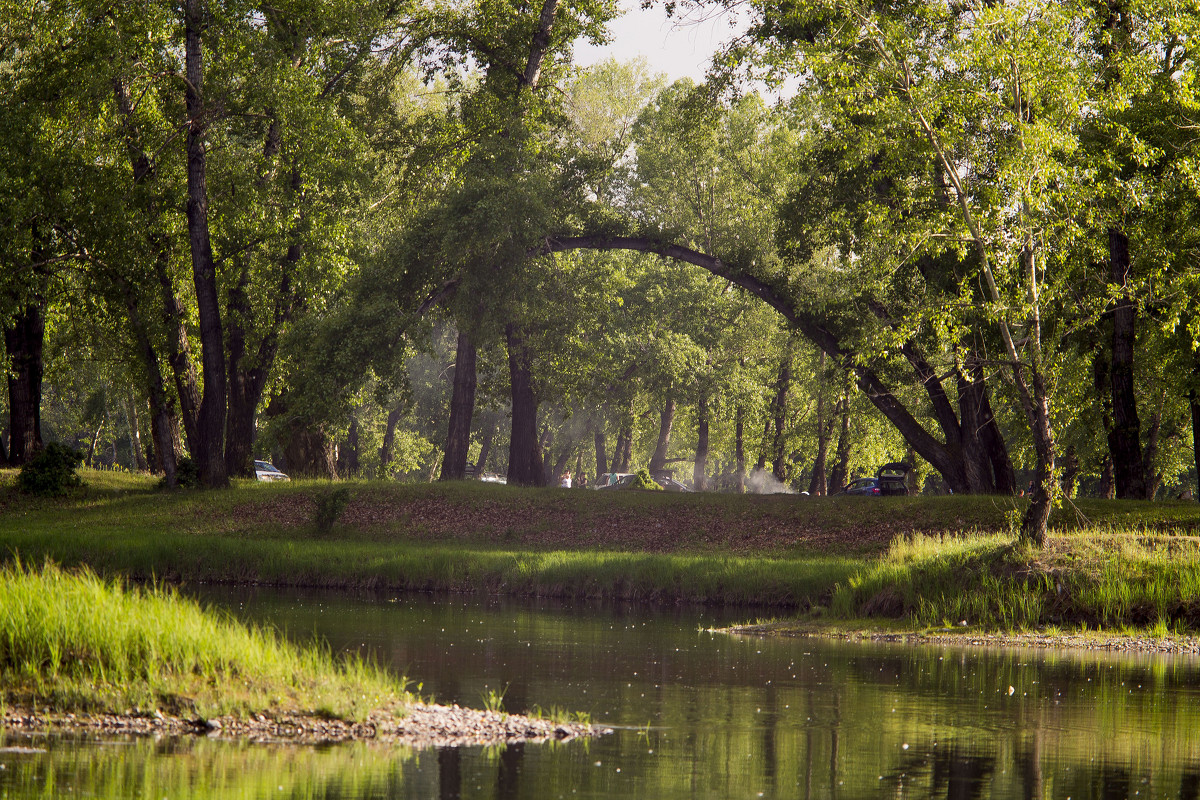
point(1088, 578)
point(77, 642)
point(927, 561)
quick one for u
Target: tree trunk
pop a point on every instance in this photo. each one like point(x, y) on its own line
point(1194, 403)
point(462, 408)
point(700, 473)
point(601, 457)
point(1003, 477)
point(1070, 473)
point(389, 440)
point(1124, 438)
point(839, 477)
point(779, 417)
point(247, 379)
point(763, 446)
point(347, 460)
point(485, 448)
point(977, 463)
point(524, 451)
point(666, 418)
point(1033, 525)
point(1152, 478)
point(24, 338)
point(135, 434)
point(739, 447)
point(209, 454)
point(1107, 490)
point(818, 486)
point(309, 452)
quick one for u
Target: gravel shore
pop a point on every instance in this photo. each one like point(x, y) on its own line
point(966, 637)
point(421, 725)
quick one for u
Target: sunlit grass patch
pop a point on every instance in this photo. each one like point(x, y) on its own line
point(79, 642)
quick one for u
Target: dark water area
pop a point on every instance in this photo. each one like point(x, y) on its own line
point(697, 714)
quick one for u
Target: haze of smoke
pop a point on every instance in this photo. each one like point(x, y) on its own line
point(762, 482)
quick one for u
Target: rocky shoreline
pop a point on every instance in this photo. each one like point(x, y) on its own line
point(1179, 645)
point(420, 725)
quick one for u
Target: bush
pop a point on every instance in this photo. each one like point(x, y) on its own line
point(642, 480)
point(51, 472)
point(330, 505)
point(187, 475)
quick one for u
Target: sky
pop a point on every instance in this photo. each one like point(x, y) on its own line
point(677, 48)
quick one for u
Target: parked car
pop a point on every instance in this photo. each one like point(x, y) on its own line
point(889, 480)
point(266, 471)
point(862, 486)
point(672, 485)
point(616, 480)
point(893, 478)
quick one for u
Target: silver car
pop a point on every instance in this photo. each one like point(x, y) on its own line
point(266, 471)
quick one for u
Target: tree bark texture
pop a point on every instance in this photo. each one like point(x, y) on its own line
point(840, 474)
point(209, 455)
point(601, 452)
point(462, 409)
point(389, 440)
point(309, 452)
point(24, 338)
point(1194, 403)
point(779, 407)
point(700, 473)
point(818, 485)
point(347, 452)
point(1124, 437)
point(524, 449)
point(485, 447)
point(666, 420)
point(137, 450)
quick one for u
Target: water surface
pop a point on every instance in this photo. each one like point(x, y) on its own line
point(695, 713)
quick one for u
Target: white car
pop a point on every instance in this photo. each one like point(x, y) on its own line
point(266, 471)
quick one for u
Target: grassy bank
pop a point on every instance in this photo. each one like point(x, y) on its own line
point(926, 561)
point(76, 642)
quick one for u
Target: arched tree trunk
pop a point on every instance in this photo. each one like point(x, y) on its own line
point(462, 408)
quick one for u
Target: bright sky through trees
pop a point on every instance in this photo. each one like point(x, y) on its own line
point(680, 47)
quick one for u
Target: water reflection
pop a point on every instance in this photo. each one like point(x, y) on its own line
point(699, 714)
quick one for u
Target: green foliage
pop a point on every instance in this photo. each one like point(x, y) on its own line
point(51, 473)
point(642, 480)
point(187, 473)
point(330, 504)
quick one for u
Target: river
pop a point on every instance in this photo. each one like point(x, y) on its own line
point(695, 713)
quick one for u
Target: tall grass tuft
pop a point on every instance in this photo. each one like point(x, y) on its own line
point(83, 643)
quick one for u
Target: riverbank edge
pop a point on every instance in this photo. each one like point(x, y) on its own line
point(1123, 642)
point(420, 725)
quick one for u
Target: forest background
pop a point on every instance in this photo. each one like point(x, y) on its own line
point(392, 239)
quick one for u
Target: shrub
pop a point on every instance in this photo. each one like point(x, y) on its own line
point(51, 472)
point(642, 480)
point(330, 505)
point(187, 473)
